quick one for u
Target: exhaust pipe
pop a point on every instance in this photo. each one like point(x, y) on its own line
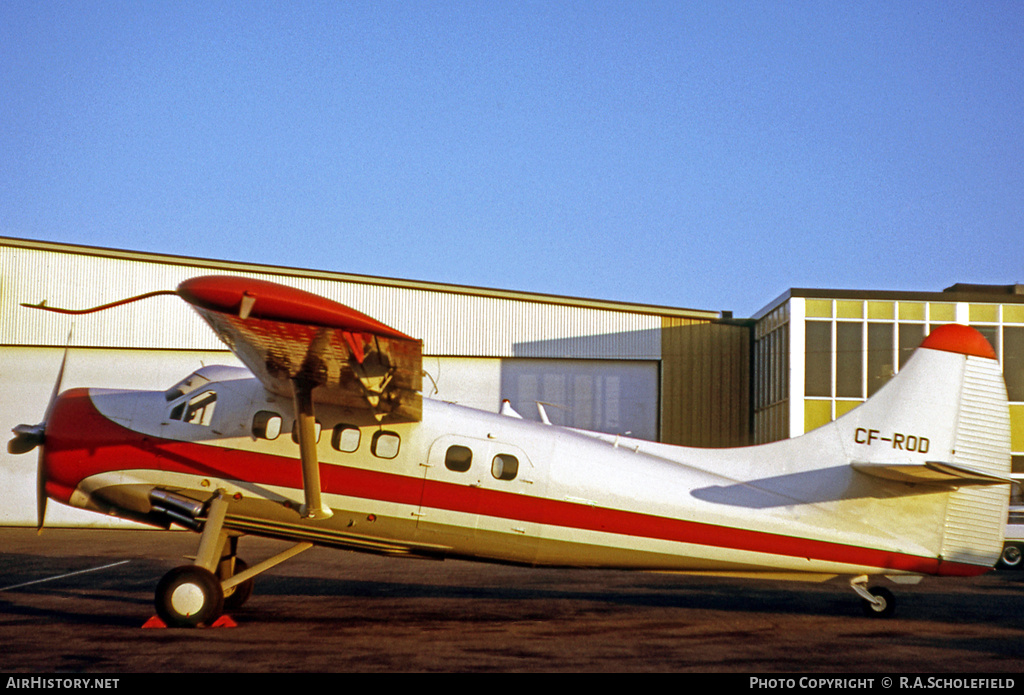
point(180, 510)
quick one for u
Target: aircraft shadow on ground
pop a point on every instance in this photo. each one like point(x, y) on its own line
point(117, 597)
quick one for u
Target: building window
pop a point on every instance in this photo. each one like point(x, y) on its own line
point(849, 360)
point(818, 365)
point(984, 313)
point(911, 311)
point(1013, 362)
point(991, 334)
point(911, 336)
point(880, 363)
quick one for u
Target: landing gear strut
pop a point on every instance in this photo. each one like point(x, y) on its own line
point(196, 595)
point(236, 596)
point(192, 595)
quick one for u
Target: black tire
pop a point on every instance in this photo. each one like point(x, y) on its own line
point(242, 592)
point(189, 596)
point(1011, 557)
point(886, 607)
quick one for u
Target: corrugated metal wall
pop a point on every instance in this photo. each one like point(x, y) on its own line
point(452, 323)
point(705, 368)
point(478, 343)
point(705, 383)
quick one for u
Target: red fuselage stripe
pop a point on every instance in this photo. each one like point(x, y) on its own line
point(84, 443)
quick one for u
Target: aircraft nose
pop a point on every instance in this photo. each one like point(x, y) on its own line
point(64, 435)
point(84, 439)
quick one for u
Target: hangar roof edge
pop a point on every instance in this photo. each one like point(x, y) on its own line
point(996, 294)
point(221, 265)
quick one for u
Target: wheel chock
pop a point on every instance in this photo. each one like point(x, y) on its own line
point(222, 621)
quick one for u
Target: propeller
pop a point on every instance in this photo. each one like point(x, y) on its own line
point(28, 437)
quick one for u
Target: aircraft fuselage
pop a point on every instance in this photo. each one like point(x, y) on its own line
point(467, 483)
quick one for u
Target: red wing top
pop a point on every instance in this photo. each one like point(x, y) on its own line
point(287, 336)
point(273, 302)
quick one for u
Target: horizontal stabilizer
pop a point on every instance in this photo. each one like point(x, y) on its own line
point(933, 472)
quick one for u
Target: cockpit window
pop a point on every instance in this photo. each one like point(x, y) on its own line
point(186, 386)
point(196, 411)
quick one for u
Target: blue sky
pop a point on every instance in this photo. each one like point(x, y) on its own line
point(695, 154)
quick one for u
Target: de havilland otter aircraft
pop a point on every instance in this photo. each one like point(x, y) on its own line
point(326, 440)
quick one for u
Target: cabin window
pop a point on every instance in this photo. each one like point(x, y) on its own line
point(266, 425)
point(197, 411)
point(505, 467)
point(295, 431)
point(385, 445)
point(345, 438)
point(458, 458)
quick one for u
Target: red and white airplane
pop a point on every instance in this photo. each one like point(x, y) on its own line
point(326, 440)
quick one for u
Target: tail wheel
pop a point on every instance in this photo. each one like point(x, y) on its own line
point(241, 593)
point(1011, 557)
point(189, 596)
point(885, 605)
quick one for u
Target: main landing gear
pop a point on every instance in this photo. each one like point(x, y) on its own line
point(197, 595)
point(876, 602)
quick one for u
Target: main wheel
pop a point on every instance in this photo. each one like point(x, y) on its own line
point(886, 606)
point(242, 592)
point(189, 596)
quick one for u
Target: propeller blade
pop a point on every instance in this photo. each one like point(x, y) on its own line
point(41, 496)
point(60, 379)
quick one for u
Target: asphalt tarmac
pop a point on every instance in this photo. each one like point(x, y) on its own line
point(75, 601)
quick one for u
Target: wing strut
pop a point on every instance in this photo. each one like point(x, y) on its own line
point(305, 425)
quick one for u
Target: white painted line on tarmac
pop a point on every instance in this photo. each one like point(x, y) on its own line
point(62, 576)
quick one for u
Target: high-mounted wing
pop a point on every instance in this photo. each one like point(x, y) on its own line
point(304, 347)
point(299, 343)
point(286, 336)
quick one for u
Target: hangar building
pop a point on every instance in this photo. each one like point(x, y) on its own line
point(665, 374)
point(680, 376)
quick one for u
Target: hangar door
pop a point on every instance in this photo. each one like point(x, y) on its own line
point(613, 396)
